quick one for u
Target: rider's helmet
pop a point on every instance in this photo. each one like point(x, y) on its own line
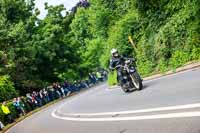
point(114, 52)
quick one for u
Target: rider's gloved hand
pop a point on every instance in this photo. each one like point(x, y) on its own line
point(111, 69)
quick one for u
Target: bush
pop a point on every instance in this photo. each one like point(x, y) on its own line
point(7, 90)
point(178, 59)
point(195, 55)
point(163, 66)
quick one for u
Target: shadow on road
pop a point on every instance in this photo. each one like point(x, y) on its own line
point(147, 85)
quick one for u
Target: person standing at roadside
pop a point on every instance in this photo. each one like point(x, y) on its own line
point(56, 88)
point(92, 78)
point(99, 77)
point(7, 112)
point(19, 106)
point(1, 126)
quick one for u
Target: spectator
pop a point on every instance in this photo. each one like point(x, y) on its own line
point(46, 95)
point(41, 96)
point(61, 90)
point(73, 87)
point(76, 87)
point(99, 77)
point(1, 126)
point(55, 87)
point(29, 101)
point(7, 112)
point(34, 101)
point(95, 76)
point(51, 93)
point(19, 106)
point(92, 78)
point(38, 99)
point(88, 83)
point(105, 74)
point(66, 87)
point(85, 84)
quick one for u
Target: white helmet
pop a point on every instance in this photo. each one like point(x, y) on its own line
point(113, 51)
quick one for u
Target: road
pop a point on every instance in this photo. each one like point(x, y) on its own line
point(169, 104)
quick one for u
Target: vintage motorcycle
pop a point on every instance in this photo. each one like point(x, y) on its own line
point(131, 79)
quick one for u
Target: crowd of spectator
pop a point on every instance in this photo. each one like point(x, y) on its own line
point(36, 99)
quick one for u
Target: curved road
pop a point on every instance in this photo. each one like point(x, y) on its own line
point(170, 104)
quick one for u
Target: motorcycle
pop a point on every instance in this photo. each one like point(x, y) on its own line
point(131, 79)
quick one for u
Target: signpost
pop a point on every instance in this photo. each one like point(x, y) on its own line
point(131, 41)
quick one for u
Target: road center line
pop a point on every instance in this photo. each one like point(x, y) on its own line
point(170, 108)
point(146, 117)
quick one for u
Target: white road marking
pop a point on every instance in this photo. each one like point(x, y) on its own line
point(147, 117)
point(178, 107)
point(132, 118)
point(71, 117)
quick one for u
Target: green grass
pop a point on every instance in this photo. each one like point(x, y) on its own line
point(112, 78)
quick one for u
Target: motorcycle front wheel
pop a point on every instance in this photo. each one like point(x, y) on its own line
point(136, 80)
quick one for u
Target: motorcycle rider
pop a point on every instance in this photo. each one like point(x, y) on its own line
point(115, 63)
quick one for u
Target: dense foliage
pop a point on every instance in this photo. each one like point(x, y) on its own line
point(7, 90)
point(166, 32)
point(35, 52)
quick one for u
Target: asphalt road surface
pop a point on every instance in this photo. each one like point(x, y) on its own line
point(170, 104)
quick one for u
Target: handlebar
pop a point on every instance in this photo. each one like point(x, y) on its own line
point(123, 66)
